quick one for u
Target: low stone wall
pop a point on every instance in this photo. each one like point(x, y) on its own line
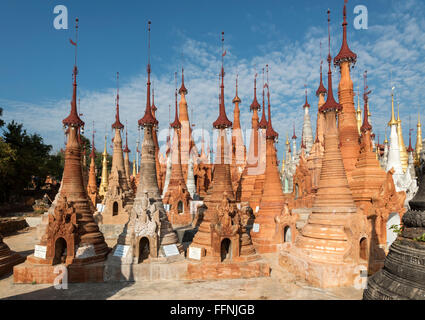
point(11, 225)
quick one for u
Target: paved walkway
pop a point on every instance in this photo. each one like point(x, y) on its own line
point(282, 285)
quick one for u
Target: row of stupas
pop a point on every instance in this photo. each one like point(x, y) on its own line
point(240, 210)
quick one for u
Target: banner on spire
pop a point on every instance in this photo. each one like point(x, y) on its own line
point(72, 42)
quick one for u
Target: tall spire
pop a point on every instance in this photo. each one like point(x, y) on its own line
point(126, 149)
point(306, 105)
point(345, 54)
point(393, 121)
point(321, 88)
point(117, 124)
point(183, 89)
point(154, 108)
point(263, 121)
point(73, 119)
point(270, 133)
point(330, 103)
point(255, 105)
point(92, 154)
point(222, 121)
point(294, 136)
point(236, 98)
point(176, 124)
point(148, 119)
point(366, 125)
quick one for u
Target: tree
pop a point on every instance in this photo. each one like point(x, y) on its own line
point(31, 161)
point(7, 170)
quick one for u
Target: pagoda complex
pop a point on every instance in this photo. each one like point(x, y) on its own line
point(147, 230)
point(222, 244)
point(347, 124)
point(335, 238)
point(177, 195)
point(72, 237)
point(119, 198)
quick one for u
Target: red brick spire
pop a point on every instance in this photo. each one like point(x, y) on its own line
point(117, 124)
point(222, 121)
point(366, 125)
point(306, 105)
point(410, 149)
point(270, 133)
point(73, 119)
point(321, 88)
point(330, 103)
point(294, 136)
point(148, 119)
point(255, 104)
point(345, 54)
point(176, 124)
point(183, 88)
point(236, 98)
point(154, 108)
point(263, 121)
point(126, 149)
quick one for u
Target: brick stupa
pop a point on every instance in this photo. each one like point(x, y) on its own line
point(72, 237)
point(253, 165)
point(148, 229)
point(272, 200)
point(92, 184)
point(222, 241)
point(347, 122)
point(255, 197)
point(177, 195)
point(332, 246)
point(119, 198)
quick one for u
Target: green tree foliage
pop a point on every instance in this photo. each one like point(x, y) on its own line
point(1, 121)
point(30, 163)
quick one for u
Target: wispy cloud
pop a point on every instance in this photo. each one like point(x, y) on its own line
point(394, 44)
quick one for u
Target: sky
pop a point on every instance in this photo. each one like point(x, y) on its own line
point(36, 60)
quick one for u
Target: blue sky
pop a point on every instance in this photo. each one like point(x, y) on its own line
point(36, 60)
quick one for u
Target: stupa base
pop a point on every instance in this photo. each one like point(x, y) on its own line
point(321, 274)
point(227, 270)
point(151, 269)
point(264, 246)
point(111, 232)
point(35, 273)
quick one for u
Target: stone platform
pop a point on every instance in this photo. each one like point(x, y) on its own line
point(227, 270)
point(41, 273)
point(321, 274)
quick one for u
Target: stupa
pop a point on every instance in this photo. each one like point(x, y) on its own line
point(253, 165)
point(403, 275)
point(238, 146)
point(347, 123)
point(72, 237)
point(148, 233)
point(8, 258)
point(254, 199)
point(404, 156)
point(177, 195)
point(119, 197)
point(265, 237)
point(92, 183)
point(307, 130)
point(332, 246)
point(126, 152)
point(104, 182)
point(368, 178)
point(222, 244)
